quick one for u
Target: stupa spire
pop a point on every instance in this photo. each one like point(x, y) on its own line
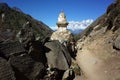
point(62, 21)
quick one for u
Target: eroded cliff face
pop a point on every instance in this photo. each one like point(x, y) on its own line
point(99, 47)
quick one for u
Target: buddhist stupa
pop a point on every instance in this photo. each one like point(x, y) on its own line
point(62, 33)
point(62, 22)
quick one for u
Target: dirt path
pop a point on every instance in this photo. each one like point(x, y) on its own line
point(99, 61)
point(91, 66)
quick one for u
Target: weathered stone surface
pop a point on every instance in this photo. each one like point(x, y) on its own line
point(116, 23)
point(68, 75)
point(117, 43)
point(54, 74)
point(37, 52)
point(26, 68)
point(6, 72)
point(64, 35)
point(57, 55)
point(26, 35)
point(10, 48)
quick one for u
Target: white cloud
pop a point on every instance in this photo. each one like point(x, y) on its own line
point(77, 26)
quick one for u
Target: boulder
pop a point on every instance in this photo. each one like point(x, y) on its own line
point(26, 68)
point(116, 23)
point(68, 75)
point(37, 52)
point(26, 35)
point(57, 55)
point(117, 43)
point(10, 48)
point(6, 72)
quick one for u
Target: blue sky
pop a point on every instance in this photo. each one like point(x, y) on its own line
point(47, 11)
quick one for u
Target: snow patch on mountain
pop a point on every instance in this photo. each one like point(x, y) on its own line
point(77, 26)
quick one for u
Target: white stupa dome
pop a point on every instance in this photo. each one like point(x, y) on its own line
point(62, 19)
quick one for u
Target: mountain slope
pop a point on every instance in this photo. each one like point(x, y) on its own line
point(11, 21)
point(99, 47)
point(107, 19)
point(87, 30)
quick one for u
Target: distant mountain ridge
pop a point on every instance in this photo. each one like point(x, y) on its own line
point(77, 26)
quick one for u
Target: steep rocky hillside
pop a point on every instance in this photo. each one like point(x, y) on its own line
point(26, 52)
point(99, 47)
point(12, 20)
point(89, 28)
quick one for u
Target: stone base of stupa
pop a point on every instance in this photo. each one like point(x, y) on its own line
point(62, 35)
